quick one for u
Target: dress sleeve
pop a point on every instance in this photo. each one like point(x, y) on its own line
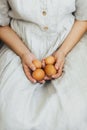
point(81, 9)
point(4, 8)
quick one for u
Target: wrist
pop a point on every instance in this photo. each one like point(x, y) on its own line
point(23, 54)
point(61, 51)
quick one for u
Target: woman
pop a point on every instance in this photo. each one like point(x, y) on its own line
point(34, 30)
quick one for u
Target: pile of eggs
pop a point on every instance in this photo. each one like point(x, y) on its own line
point(48, 70)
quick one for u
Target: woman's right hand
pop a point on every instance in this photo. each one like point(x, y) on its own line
point(28, 66)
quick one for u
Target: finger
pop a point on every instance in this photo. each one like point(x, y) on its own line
point(59, 72)
point(32, 67)
point(57, 75)
point(43, 63)
point(57, 65)
point(42, 82)
point(28, 74)
point(47, 78)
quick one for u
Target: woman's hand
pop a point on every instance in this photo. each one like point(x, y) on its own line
point(59, 65)
point(28, 66)
point(60, 60)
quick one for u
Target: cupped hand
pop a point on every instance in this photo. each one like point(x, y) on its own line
point(59, 65)
point(28, 66)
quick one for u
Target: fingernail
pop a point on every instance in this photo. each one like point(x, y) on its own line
point(33, 68)
point(53, 76)
point(56, 66)
point(34, 81)
point(45, 78)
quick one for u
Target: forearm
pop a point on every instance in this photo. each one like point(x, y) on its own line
point(12, 40)
point(78, 30)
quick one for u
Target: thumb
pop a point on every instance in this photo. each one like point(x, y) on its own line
point(57, 65)
point(43, 62)
point(32, 67)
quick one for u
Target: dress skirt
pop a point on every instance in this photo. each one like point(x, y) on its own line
point(59, 104)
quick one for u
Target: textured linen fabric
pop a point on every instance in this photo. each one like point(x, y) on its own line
point(59, 104)
point(4, 8)
point(81, 9)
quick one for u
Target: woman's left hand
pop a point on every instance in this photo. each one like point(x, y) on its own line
point(59, 65)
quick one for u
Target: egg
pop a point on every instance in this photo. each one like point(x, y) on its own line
point(38, 74)
point(37, 63)
point(50, 70)
point(50, 60)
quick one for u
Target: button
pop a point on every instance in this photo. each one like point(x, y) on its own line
point(46, 28)
point(44, 13)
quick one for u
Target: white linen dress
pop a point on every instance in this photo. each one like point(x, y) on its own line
point(60, 104)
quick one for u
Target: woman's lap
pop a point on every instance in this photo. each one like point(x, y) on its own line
point(19, 98)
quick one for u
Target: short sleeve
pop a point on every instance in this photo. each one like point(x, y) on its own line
point(81, 9)
point(4, 8)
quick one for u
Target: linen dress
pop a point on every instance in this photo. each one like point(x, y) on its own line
point(60, 104)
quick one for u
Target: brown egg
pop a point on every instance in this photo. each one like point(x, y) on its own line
point(38, 74)
point(50, 70)
point(50, 60)
point(37, 64)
